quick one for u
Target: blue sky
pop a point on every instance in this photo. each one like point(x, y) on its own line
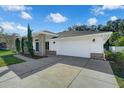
point(55, 18)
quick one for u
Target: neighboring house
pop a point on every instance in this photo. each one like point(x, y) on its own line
point(7, 41)
point(89, 44)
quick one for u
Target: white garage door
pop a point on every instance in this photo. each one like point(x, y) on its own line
point(74, 47)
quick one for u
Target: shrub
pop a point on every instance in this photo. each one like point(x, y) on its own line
point(122, 52)
point(109, 55)
point(114, 38)
point(17, 44)
point(120, 41)
point(29, 42)
point(22, 44)
point(119, 57)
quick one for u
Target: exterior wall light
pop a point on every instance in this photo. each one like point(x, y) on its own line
point(94, 40)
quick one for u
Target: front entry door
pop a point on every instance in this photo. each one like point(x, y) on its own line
point(47, 45)
point(37, 46)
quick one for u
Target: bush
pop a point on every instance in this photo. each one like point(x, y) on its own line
point(29, 42)
point(109, 55)
point(17, 44)
point(119, 57)
point(120, 41)
point(22, 44)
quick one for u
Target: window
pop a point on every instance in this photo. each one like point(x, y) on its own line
point(37, 46)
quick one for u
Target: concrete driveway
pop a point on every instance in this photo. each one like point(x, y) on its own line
point(58, 71)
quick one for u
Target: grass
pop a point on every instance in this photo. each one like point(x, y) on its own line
point(6, 52)
point(7, 58)
point(118, 75)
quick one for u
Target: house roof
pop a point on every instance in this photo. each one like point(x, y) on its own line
point(49, 32)
point(78, 33)
point(69, 33)
point(44, 32)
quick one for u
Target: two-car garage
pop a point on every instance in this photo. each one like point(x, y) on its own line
point(73, 47)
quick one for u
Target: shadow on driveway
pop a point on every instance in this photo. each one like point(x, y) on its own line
point(28, 68)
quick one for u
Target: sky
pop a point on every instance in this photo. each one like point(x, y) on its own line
point(55, 18)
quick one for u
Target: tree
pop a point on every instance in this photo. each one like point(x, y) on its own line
point(93, 28)
point(22, 44)
point(17, 43)
point(29, 42)
point(114, 25)
point(100, 27)
point(121, 27)
point(113, 38)
point(120, 41)
point(79, 28)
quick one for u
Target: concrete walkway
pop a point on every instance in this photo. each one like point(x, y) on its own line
point(24, 58)
point(58, 71)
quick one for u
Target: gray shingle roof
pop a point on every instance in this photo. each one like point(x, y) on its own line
point(49, 32)
point(77, 33)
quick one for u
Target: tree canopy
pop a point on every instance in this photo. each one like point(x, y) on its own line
point(120, 41)
point(114, 26)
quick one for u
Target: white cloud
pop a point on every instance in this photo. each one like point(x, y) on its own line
point(15, 8)
point(97, 10)
point(25, 15)
point(11, 27)
point(57, 18)
point(18, 8)
point(92, 21)
point(112, 7)
point(7, 25)
point(100, 10)
point(21, 28)
point(113, 18)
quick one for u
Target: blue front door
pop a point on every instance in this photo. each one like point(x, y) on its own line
point(37, 46)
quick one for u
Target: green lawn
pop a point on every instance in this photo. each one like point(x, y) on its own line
point(6, 52)
point(119, 77)
point(7, 58)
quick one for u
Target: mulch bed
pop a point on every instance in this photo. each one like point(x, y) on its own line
point(34, 57)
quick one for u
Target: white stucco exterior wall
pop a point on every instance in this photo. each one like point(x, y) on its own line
point(52, 46)
point(80, 46)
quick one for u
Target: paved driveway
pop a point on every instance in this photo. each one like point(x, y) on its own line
point(58, 71)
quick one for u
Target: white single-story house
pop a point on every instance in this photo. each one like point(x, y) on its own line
point(89, 44)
